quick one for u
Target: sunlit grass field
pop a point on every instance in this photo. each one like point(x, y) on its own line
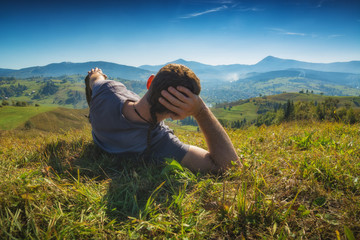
point(43, 118)
point(11, 116)
point(238, 112)
point(299, 181)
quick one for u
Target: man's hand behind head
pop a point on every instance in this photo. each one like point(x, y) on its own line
point(182, 102)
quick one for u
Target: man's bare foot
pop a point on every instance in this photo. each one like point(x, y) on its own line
point(94, 75)
point(96, 71)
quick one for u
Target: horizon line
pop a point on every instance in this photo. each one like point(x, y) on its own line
point(182, 59)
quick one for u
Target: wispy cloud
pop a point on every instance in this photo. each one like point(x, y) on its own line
point(192, 15)
point(335, 36)
point(294, 33)
point(285, 32)
point(239, 7)
point(226, 5)
point(281, 31)
point(250, 9)
point(226, 2)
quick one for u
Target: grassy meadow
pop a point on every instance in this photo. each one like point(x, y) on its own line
point(299, 181)
point(42, 118)
point(12, 117)
point(238, 112)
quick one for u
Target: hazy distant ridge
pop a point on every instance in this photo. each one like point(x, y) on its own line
point(207, 73)
point(235, 72)
point(68, 68)
point(272, 63)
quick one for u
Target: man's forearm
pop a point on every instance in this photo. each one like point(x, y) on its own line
point(220, 146)
point(183, 103)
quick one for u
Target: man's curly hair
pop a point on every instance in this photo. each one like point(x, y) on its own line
point(171, 75)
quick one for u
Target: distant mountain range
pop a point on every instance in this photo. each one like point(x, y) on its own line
point(222, 83)
point(225, 83)
point(339, 78)
point(290, 80)
point(207, 73)
point(68, 68)
point(235, 72)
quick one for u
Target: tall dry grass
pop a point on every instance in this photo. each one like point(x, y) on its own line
point(299, 181)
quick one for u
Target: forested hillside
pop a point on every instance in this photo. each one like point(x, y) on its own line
point(286, 107)
point(66, 91)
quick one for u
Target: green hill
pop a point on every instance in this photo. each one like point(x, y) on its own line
point(250, 109)
point(51, 119)
point(69, 68)
point(12, 117)
point(60, 119)
point(247, 110)
point(283, 97)
point(65, 91)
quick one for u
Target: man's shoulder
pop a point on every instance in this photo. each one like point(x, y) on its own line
point(109, 83)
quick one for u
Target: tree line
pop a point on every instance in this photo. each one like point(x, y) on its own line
point(328, 110)
point(17, 103)
point(12, 90)
point(270, 113)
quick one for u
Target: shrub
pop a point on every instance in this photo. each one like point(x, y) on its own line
point(28, 125)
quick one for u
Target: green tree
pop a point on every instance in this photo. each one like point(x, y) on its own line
point(267, 119)
point(280, 116)
point(331, 105)
point(320, 112)
point(350, 116)
point(49, 89)
point(327, 110)
point(289, 110)
point(304, 111)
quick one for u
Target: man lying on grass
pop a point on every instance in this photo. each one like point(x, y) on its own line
point(124, 123)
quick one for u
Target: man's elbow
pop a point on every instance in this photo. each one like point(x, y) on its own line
point(231, 162)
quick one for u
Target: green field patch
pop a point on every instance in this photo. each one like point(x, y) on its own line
point(80, 88)
point(176, 125)
point(11, 117)
point(238, 112)
point(60, 119)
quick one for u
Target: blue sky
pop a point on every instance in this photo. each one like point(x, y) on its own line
point(137, 32)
